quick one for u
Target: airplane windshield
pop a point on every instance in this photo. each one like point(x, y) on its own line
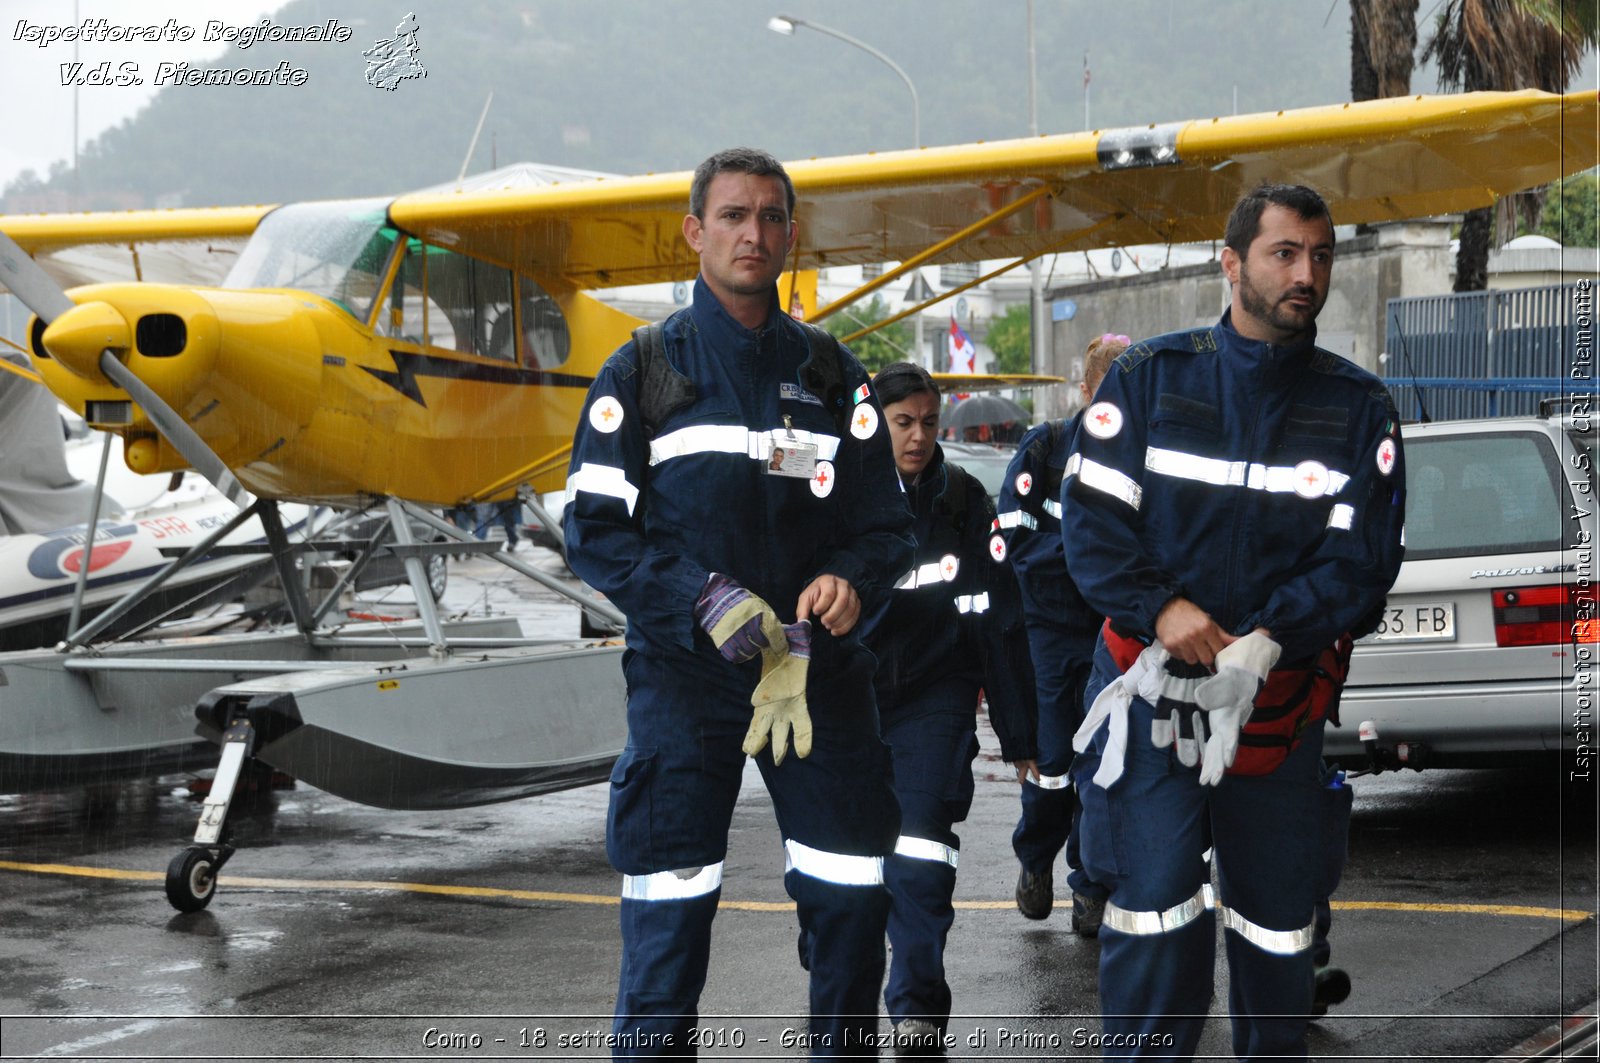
point(336, 249)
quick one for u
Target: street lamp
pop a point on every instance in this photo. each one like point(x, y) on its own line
point(786, 25)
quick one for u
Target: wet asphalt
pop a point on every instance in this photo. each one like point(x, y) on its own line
point(338, 931)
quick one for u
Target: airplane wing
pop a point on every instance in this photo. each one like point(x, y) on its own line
point(1379, 160)
point(967, 383)
point(1413, 156)
point(189, 246)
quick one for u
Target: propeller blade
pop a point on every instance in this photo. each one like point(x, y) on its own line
point(176, 429)
point(28, 281)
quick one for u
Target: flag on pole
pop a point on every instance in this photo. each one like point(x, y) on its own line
point(1085, 69)
point(963, 354)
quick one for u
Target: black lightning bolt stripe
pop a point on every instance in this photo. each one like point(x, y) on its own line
point(408, 366)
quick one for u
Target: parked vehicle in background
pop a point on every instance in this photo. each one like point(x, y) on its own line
point(1486, 651)
point(383, 569)
point(986, 461)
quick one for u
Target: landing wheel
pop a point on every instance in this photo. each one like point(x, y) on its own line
point(191, 880)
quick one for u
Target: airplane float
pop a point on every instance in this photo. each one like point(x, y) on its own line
point(436, 347)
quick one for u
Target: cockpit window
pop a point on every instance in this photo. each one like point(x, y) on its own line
point(337, 250)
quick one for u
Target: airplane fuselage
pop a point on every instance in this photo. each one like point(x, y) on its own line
point(408, 370)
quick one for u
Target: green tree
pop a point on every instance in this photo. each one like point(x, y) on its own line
point(1505, 45)
point(879, 348)
point(1011, 338)
point(1572, 211)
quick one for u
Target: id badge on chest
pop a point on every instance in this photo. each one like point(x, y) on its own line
point(787, 456)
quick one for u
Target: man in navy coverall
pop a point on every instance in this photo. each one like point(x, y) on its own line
point(1234, 508)
point(703, 539)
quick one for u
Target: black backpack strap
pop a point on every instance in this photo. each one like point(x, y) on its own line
point(662, 389)
point(823, 373)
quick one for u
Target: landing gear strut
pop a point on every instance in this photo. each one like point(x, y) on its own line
point(192, 874)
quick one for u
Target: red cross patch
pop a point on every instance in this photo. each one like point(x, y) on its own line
point(822, 479)
point(1386, 455)
point(864, 421)
point(1102, 420)
point(949, 565)
point(1024, 482)
point(1310, 479)
point(997, 548)
point(605, 414)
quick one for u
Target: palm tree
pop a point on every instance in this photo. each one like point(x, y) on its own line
point(1383, 42)
point(1505, 45)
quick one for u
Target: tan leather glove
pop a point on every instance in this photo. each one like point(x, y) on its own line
point(780, 697)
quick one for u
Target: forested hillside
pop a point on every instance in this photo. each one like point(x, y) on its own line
point(653, 85)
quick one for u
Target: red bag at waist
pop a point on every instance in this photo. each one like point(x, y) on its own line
point(1291, 700)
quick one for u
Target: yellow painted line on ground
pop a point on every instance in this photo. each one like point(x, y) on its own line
point(1569, 915)
point(1566, 915)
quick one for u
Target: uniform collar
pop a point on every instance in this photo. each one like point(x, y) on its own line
point(1261, 351)
point(715, 322)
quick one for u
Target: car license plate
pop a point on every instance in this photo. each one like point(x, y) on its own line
point(1416, 622)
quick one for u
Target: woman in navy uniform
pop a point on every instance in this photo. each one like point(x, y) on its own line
point(951, 627)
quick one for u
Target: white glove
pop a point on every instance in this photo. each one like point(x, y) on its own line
point(1143, 678)
point(1229, 697)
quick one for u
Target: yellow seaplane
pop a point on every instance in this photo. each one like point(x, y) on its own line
point(436, 347)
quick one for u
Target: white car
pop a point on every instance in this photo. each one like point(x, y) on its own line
point(1487, 648)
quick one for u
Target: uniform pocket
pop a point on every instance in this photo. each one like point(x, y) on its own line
point(1098, 844)
point(628, 816)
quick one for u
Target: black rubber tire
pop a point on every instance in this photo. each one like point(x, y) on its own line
point(191, 880)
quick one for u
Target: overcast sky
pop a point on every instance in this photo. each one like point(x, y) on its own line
point(38, 109)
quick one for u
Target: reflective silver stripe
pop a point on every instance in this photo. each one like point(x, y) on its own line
point(672, 885)
point(921, 576)
point(1174, 918)
point(1275, 479)
point(736, 439)
point(926, 849)
point(1280, 942)
point(1342, 517)
point(1050, 782)
point(1104, 478)
point(1053, 507)
point(603, 480)
point(832, 867)
point(972, 603)
point(1018, 519)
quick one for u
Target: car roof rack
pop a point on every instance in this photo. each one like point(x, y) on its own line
point(1561, 405)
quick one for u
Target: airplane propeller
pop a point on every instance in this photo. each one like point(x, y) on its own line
point(39, 292)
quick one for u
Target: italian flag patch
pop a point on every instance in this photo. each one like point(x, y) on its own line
point(861, 393)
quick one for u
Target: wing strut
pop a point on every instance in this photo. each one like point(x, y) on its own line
point(1007, 268)
point(923, 256)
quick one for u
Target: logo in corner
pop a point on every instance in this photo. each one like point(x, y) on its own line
point(392, 61)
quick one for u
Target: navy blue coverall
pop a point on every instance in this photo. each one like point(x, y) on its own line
point(951, 627)
point(1265, 484)
point(1061, 636)
point(648, 518)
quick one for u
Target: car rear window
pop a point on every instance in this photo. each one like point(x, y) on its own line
point(1483, 493)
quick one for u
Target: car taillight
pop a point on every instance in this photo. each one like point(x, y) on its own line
point(1546, 616)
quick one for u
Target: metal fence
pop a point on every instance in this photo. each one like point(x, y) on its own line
point(1489, 354)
